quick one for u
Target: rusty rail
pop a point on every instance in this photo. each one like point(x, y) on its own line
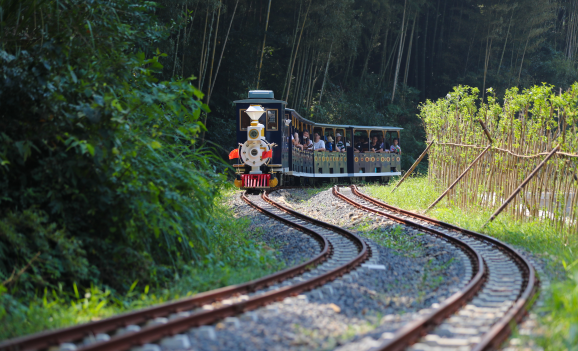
point(153, 333)
point(499, 332)
point(411, 332)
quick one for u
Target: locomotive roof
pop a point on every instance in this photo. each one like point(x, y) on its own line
point(293, 112)
point(260, 101)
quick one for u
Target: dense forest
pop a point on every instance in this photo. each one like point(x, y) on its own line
point(368, 62)
point(109, 110)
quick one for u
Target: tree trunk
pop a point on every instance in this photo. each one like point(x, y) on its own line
point(399, 55)
point(325, 74)
point(207, 51)
point(297, 49)
point(374, 33)
point(292, 49)
point(409, 50)
point(433, 43)
point(177, 45)
point(264, 40)
point(423, 58)
point(505, 43)
point(383, 56)
point(203, 50)
point(523, 55)
point(222, 51)
point(214, 49)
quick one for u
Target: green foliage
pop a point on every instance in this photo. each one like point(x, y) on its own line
point(236, 257)
point(100, 170)
point(562, 313)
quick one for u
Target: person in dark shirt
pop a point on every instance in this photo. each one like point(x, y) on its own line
point(375, 146)
point(365, 145)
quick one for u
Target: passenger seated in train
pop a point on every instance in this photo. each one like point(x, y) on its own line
point(375, 146)
point(395, 147)
point(318, 145)
point(384, 145)
point(361, 146)
point(329, 144)
point(339, 144)
point(307, 143)
point(295, 140)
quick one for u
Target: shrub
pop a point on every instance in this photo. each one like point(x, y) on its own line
point(99, 166)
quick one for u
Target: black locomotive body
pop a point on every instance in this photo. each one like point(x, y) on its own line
point(274, 160)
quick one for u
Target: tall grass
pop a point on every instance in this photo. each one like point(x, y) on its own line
point(236, 256)
point(539, 237)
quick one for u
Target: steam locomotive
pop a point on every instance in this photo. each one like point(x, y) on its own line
point(266, 157)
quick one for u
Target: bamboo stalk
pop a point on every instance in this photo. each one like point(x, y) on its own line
point(297, 50)
point(412, 168)
point(521, 186)
point(458, 179)
point(264, 40)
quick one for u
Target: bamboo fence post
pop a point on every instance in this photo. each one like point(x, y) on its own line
point(412, 168)
point(521, 186)
point(459, 178)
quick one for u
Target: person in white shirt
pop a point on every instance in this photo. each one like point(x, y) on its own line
point(318, 145)
point(307, 143)
point(295, 141)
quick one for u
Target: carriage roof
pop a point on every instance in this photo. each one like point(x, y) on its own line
point(344, 126)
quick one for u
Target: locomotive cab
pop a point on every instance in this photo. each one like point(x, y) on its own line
point(261, 133)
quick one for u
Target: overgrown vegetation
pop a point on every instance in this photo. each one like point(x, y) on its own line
point(99, 169)
point(536, 236)
point(236, 257)
point(103, 181)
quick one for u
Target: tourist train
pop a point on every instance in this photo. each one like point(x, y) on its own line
point(270, 154)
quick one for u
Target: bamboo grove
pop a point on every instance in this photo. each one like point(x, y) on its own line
point(526, 127)
point(363, 61)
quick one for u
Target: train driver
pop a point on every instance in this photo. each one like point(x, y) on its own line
point(318, 145)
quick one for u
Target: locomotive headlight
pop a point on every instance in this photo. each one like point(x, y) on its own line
point(253, 134)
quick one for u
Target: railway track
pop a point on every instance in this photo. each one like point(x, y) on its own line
point(164, 326)
point(499, 288)
point(502, 287)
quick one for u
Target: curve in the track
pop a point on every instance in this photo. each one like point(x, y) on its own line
point(484, 321)
point(341, 251)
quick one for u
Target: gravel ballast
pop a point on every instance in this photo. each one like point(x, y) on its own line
point(407, 273)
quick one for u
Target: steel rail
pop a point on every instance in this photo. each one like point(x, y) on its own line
point(49, 338)
point(500, 331)
point(175, 326)
point(411, 332)
point(155, 333)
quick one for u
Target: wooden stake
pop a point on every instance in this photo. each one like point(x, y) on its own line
point(459, 178)
point(526, 181)
point(407, 174)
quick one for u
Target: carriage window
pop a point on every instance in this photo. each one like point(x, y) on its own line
point(272, 120)
point(246, 120)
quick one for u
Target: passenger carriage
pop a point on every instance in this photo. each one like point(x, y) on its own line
point(267, 158)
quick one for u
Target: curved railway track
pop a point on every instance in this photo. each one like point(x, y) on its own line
point(502, 287)
point(341, 251)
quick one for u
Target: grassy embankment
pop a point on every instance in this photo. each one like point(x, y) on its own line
point(560, 314)
point(238, 257)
